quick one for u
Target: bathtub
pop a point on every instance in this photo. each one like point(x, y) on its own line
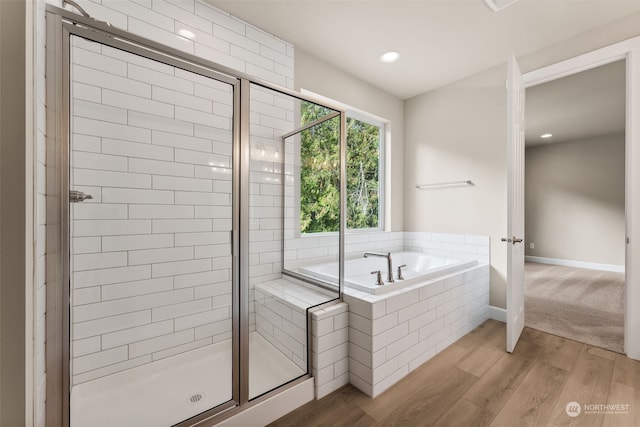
point(420, 267)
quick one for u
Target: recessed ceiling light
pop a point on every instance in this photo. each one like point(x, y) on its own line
point(546, 135)
point(391, 56)
point(187, 34)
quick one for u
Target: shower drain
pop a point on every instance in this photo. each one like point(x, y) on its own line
point(195, 398)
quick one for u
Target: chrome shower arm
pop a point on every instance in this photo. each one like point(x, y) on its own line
point(77, 6)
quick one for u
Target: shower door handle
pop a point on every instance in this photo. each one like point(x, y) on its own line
point(78, 196)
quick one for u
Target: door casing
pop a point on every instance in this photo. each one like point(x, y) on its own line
point(628, 50)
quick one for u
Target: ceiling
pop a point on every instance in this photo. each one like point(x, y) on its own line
point(440, 41)
point(576, 107)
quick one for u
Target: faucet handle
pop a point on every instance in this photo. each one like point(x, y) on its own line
point(379, 281)
point(400, 267)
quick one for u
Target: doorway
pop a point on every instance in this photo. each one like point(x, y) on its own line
point(628, 50)
point(575, 206)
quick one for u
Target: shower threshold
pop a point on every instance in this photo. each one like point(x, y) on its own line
point(174, 389)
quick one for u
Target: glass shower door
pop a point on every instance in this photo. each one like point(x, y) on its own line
point(152, 301)
point(279, 339)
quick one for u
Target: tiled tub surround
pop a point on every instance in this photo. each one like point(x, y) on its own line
point(392, 334)
point(443, 244)
point(330, 338)
point(312, 249)
point(417, 267)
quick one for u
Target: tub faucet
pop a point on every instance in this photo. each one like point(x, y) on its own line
point(378, 274)
point(389, 263)
point(400, 276)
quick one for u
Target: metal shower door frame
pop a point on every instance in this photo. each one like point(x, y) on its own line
point(65, 29)
point(61, 24)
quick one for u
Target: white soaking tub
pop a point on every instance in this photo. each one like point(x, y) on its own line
point(420, 267)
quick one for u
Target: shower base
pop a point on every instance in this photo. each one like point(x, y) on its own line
point(172, 390)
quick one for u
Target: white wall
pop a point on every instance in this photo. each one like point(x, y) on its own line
point(452, 134)
point(459, 131)
point(324, 79)
point(575, 200)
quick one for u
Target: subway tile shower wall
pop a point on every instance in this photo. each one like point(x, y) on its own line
point(217, 36)
point(271, 116)
point(151, 264)
point(152, 144)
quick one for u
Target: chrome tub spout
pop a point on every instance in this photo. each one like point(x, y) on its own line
point(389, 263)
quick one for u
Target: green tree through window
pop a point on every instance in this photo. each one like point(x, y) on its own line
point(320, 173)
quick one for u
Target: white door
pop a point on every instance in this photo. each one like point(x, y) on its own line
point(515, 203)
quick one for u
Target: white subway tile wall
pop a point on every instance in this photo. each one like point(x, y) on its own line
point(148, 91)
point(315, 248)
point(467, 246)
point(330, 338)
point(271, 117)
point(391, 335)
point(282, 323)
point(217, 37)
point(151, 263)
point(374, 341)
point(281, 317)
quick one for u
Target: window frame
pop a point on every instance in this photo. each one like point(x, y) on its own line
point(383, 129)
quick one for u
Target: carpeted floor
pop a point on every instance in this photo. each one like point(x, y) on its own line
point(575, 303)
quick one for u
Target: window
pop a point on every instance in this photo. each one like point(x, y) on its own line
point(319, 173)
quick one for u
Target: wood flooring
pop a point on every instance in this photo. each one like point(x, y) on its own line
point(475, 382)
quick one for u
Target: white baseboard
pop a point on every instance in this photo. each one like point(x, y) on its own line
point(578, 264)
point(497, 313)
point(273, 408)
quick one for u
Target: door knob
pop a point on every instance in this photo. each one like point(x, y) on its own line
point(513, 240)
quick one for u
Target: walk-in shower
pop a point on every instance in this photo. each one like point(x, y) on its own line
point(172, 298)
